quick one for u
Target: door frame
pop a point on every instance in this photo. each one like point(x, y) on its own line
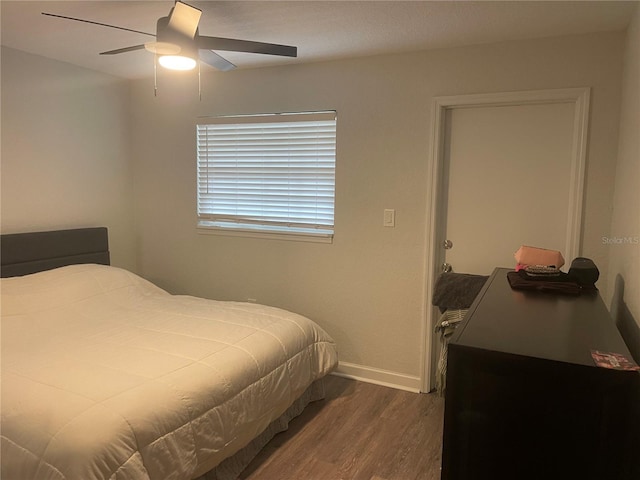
point(579, 97)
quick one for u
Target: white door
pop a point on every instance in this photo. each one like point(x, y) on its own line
point(507, 172)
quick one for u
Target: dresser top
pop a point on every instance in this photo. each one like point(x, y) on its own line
point(549, 326)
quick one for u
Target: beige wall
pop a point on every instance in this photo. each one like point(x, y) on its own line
point(65, 150)
point(367, 288)
point(624, 234)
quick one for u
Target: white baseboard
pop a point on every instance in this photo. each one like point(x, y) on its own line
point(379, 377)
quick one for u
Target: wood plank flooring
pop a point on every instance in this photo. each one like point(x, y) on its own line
point(359, 431)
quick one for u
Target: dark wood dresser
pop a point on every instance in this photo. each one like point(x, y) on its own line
point(524, 398)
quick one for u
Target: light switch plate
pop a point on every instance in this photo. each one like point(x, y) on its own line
point(389, 217)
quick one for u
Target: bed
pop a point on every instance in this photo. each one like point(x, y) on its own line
point(107, 376)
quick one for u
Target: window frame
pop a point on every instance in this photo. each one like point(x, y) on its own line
point(253, 226)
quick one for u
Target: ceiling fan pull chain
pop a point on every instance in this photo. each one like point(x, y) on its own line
point(155, 74)
point(199, 81)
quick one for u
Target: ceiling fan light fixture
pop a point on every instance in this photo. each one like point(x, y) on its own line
point(177, 62)
point(162, 48)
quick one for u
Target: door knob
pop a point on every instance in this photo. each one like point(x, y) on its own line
point(447, 244)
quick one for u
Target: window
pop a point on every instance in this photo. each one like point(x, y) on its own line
point(268, 174)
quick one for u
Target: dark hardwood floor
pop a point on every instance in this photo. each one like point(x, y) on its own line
point(359, 431)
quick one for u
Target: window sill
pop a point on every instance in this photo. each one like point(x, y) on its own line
point(293, 235)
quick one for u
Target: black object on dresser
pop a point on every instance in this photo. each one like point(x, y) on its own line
point(524, 398)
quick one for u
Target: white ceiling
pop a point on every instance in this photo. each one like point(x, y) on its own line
point(321, 30)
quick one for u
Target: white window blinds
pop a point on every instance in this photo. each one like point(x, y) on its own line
point(268, 172)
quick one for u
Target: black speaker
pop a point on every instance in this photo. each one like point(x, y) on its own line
point(584, 271)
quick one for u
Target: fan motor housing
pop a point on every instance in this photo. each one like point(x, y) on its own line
point(171, 42)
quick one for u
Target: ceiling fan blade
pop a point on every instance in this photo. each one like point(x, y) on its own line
point(216, 61)
point(232, 45)
point(97, 23)
point(184, 19)
point(123, 50)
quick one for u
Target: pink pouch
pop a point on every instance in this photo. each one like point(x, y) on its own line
point(538, 256)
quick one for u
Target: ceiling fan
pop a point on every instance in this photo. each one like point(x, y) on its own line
point(178, 43)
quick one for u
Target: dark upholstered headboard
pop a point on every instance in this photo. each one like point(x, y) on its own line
point(25, 253)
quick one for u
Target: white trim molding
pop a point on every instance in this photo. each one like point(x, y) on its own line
point(378, 376)
point(579, 97)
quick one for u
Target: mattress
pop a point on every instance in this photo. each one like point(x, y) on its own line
point(107, 376)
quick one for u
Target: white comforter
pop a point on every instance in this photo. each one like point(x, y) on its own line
point(106, 376)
